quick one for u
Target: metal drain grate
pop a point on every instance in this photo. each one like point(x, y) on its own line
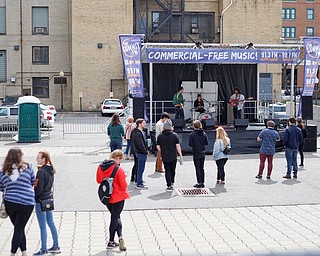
point(194, 192)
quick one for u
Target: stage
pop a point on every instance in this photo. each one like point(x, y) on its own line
point(242, 141)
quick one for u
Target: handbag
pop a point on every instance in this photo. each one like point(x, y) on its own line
point(3, 211)
point(227, 150)
point(47, 205)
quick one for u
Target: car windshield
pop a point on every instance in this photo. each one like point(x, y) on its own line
point(112, 102)
point(278, 108)
point(3, 112)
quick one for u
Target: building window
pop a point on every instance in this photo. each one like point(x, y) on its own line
point(310, 0)
point(310, 31)
point(40, 20)
point(288, 13)
point(3, 66)
point(310, 14)
point(288, 32)
point(194, 24)
point(40, 54)
point(2, 20)
point(40, 87)
point(155, 19)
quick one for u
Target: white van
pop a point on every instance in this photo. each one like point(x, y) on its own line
point(9, 117)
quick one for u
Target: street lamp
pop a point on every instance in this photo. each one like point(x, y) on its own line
point(61, 74)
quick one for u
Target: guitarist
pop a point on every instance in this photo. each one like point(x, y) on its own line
point(178, 102)
point(237, 102)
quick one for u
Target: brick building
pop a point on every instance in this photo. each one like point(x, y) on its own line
point(39, 39)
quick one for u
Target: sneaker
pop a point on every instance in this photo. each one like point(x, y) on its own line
point(197, 186)
point(218, 181)
point(142, 186)
point(170, 188)
point(259, 176)
point(112, 245)
point(161, 171)
point(54, 249)
point(287, 177)
point(41, 252)
point(301, 165)
point(295, 176)
point(122, 245)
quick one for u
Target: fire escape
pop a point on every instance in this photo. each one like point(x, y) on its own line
point(165, 21)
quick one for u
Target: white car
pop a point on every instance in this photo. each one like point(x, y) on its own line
point(52, 109)
point(47, 117)
point(111, 106)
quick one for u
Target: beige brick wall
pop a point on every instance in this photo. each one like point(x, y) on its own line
point(94, 68)
point(59, 48)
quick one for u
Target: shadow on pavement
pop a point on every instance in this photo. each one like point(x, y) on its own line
point(291, 182)
point(132, 190)
point(219, 188)
point(161, 196)
point(266, 182)
point(155, 175)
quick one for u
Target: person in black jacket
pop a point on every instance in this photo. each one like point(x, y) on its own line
point(197, 141)
point(43, 190)
point(168, 145)
point(139, 147)
point(304, 135)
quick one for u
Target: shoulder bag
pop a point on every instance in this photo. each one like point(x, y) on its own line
point(3, 211)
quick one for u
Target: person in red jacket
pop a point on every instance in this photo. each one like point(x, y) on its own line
point(119, 194)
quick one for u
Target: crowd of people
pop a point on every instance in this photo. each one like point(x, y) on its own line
point(23, 189)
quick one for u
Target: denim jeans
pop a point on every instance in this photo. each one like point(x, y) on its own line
point(45, 218)
point(115, 144)
point(142, 158)
point(291, 157)
point(128, 147)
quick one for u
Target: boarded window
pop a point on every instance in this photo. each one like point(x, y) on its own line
point(2, 20)
point(40, 54)
point(40, 20)
point(3, 66)
point(40, 87)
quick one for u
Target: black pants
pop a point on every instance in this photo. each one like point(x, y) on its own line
point(170, 169)
point(301, 153)
point(199, 165)
point(19, 215)
point(115, 221)
point(236, 113)
point(179, 113)
point(220, 164)
point(134, 169)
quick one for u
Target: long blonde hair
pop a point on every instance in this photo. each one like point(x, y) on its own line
point(222, 135)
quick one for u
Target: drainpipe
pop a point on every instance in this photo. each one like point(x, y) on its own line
point(21, 49)
point(221, 20)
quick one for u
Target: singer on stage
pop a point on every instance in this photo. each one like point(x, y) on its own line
point(237, 102)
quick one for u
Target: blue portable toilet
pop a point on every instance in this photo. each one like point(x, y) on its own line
point(29, 119)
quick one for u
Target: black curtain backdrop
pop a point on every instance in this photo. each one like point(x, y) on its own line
point(167, 77)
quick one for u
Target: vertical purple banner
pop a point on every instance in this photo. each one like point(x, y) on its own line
point(131, 56)
point(312, 53)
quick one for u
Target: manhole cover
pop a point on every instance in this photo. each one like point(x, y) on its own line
point(194, 192)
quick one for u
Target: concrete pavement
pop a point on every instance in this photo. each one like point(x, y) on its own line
point(244, 217)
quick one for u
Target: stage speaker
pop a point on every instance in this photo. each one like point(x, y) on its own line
point(307, 107)
point(275, 120)
point(208, 124)
point(310, 143)
point(240, 124)
point(179, 124)
point(138, 108)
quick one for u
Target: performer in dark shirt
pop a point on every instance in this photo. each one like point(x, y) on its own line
point(199, 104)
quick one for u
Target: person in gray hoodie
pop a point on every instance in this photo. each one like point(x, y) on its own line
point(197, 141)
point(44, 190)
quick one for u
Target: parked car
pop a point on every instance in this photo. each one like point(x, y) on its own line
point(111, 106)
point(10, 100)
point(9, 118)
point(47, 117)
point(274, 111)
point(52, 109)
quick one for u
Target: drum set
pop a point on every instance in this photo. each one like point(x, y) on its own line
point(210, 113)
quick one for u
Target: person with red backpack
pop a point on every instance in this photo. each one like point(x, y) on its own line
point(119, 195)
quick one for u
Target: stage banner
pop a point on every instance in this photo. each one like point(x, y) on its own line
point(312, 53)
point(221, 55)
point(131, 56)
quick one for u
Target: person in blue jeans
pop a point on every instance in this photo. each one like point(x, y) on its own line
point(292, 139)
point(44, 190)
point(139, 146)
point(115, 133)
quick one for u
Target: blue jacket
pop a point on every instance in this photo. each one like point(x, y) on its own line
point(218, 148)
point(292, 137)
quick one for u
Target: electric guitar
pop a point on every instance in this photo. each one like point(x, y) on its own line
point(234, 102)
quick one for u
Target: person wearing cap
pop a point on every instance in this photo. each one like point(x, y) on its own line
point(159, 127)
point(268, 138)
point(292, 139)
point(304, 135)
point(168, 146)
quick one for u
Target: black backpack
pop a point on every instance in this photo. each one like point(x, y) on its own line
point(227, 150)
point(106, 187)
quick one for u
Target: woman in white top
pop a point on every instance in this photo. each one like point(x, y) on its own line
point(222, 141)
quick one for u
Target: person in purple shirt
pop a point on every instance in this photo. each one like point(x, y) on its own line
point(268, 138)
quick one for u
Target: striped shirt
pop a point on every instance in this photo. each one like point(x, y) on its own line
point(21, 190)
